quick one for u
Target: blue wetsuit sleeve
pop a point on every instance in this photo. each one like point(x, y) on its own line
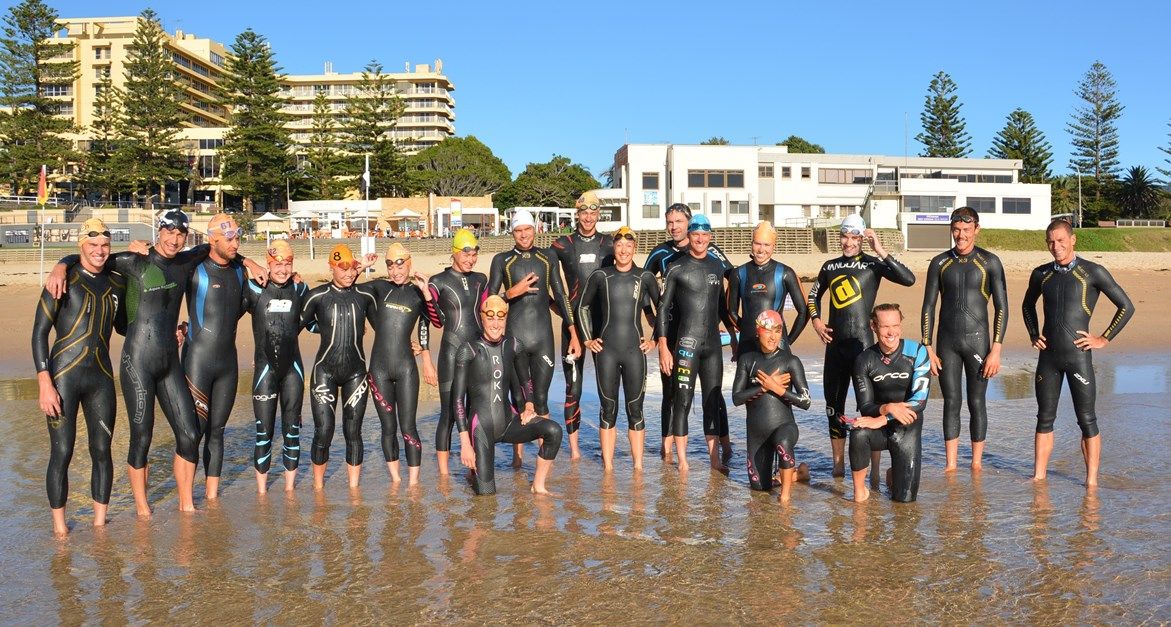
point(920, 381)
point(930, 298)
point(793, 290)
point(797, 394)
point(1108, 286)
point(1029, 305)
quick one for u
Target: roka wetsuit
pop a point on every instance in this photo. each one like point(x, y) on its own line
point(753, 289)
point(458, 296)
point(772, 429)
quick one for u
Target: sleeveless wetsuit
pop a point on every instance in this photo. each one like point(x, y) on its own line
point(579, 256)
point(458, 296)
point(693, 297)
point(215, 302)
point(528, 315)
point(772, 429)
point(79, 364)
point(1070, 294)
point(278, 378)
point(394, 375)
point(852, 284)
point(903, 376)
point(485, 374)
point(964, 284)
point(341, 315)
point(753, 289)
point(610, 309)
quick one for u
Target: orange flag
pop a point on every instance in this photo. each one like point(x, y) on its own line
point(42, 188)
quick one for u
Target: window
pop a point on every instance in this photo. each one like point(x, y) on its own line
point(982, 204)
point(694, 206)
point(66, 108)
point(929, 204)
point(217, 59)
point(207, 167)
point(102, 72)
point(650, 180)
point(786, 172)
point(738, 207)
point(765, 171)
point(102, 52)
point(210, 144)
point(805, 173)
point(844, 176)
point(614, 213)
point(648, 211)
point(56, 90)
point(807, 210)
point(715, 178)
point(717, 207)
point(1017, 205)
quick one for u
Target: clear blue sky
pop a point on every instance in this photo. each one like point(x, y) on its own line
point(537, 79)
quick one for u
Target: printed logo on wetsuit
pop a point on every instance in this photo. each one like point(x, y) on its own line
point(280, 305)
point(154, 279)
point(713, 279)
point(586, 258)
point(547, 360)
point(464, 280)
point(1080, 378)
point(759, 288)
point(398, 307)
point(892, 375)
point(844, 291)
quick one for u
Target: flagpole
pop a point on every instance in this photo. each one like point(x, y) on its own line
point(366, 218)
point(42, 198)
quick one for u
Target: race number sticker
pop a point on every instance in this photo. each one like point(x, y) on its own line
point(280, 305)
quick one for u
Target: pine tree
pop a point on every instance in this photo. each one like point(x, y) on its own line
point(102, 170)
point(373, 112)
point(1093, 130)
point(943, 128)
point(151, 116)
point(256, 154)
point(1166, 172)
point(1020, 139)
point(32, 66)
point(324, 164)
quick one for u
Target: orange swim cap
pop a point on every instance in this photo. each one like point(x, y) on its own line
point(341, 255)
point(279, 250)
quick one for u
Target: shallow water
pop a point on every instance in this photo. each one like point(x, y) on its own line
point(656, 547)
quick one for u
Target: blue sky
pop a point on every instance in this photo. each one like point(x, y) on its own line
point(535, 79)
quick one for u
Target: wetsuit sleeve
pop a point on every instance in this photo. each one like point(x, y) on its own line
point(653, 263)
point(722, 311)
point(46, 316)
point(560, 296)
point(588, 295)
point(309, 312)
point(459, 386)
point(793, 289)
point(732, 303)
point(303, 292)
point(893, 270)
point(863, 391)
point(665, 304)
point(522, 381)
point(1029, 305)
point(744, 386)
point(719, 254)
point(920, 381)
point(1108, 286)
point(496, 275)
point(813, 303)
point(195, 255)
point(121, 262)
point(797, 394)
point(999, 299)
point(930, 298)
point(650, 295)
point(439, 320)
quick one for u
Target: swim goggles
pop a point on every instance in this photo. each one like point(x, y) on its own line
point(274, 255)
point(769, 325)
point(174, 221)
point(98, 234)
point(590, 207)
point(965, 218)
point(624, 233)
point(494, 313)
point(680, 207)
point(231, 233)
point(397, 262)
point(346, 265)
point(469, 249)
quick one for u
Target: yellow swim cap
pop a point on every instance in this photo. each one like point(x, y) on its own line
point(91, 229)
point(341, 256)
point(625, 232)
point(464, 240)
point(588, 201)
point(397, 251)
point(279, 250)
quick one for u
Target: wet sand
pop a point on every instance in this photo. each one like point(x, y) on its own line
point(655, 547)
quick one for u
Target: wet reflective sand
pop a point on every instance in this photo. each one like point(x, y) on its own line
point(652, 547)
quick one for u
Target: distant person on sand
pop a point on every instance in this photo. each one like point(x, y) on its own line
point(1069, 287)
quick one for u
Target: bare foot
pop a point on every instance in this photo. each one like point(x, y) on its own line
point(777, 479)
point(718, 467)
point(860, 497)
point(949, 468)
point(839, 471)
point(144, 511)
point(683, 465)
point(1039, 477)
point(517, 461)
point(187, 509)
point(542, 490)
point(977, 466)
point(727, 456)
point(803, 472)
point(783, 499)
point(890, 477)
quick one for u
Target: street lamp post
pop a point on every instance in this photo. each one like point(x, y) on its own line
point(1078, 219)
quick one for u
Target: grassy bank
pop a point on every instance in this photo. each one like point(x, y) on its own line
point(1089, 240)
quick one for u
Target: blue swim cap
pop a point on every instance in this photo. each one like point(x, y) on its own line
point(699, 223)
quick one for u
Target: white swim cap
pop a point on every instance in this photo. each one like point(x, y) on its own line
point(522, 218)
point(853, 225)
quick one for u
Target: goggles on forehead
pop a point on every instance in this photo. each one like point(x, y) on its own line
point(626, 235)
point(494, 313)
point(397, 262)
point(469, 249)
point(98, 234)
point(769, 325)
point(590, 207)
point(173, 227)
point(966, 219)
point(274, 255)
point(230, 233)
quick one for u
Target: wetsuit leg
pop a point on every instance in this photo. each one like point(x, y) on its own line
point(711, 381)
point(978, 348)
point(265, 400)
point(354, 394)
point(138, 394)
point(324, 406)
point(1083, 388)
point(1048, 388)
point(574, 376)
point(668, 390)
point(863, 442)
point(548, 431)
point(784, 442)
point(407, 393)
point(382, 389)
point(760, 454)
point(292, 393)
point(950, 377)
point(446, 422)
point(221, 397)
point(836, 382)
point(175, 400)
point(484, 443)
point(62, 434)
point(607, 372)
point(683, 385)
point(906, 455)
point(633, 367)
point(99, 405)
point(541, 370)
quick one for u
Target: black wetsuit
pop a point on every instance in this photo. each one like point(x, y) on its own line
point(79, 364)
point(1070, 294)
point(901, 377)
point(661, 257)
point(341, 315)
point(964, 284)
point(394, 375)
point(278, 379)
point(852, 284)
point(215, 302)
point(772, 429)
point(579, 256)
point(458, 296)
point(753, 289)
point(528, 315)
point(693, 299)
point(610, 309)
point(486, 373)
point(150, 357)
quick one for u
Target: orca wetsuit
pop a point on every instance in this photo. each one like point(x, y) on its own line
point(693, 298)
point(903, 376)
point(341, 315)
point(486, 374)
point(215, 302)
point(528, 315)
point(278, 378)
point(579, 256)
point(394, 375)
point(610, 309)
point(852, 284)
point(458, 296)
point(79, 364)
point(772, 429)
point(1070, 294)
point(753, 289)
point(964, 284)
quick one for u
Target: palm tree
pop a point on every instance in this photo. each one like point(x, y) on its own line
point(1139, 194)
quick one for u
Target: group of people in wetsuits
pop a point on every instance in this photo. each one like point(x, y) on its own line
point(497, 354)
